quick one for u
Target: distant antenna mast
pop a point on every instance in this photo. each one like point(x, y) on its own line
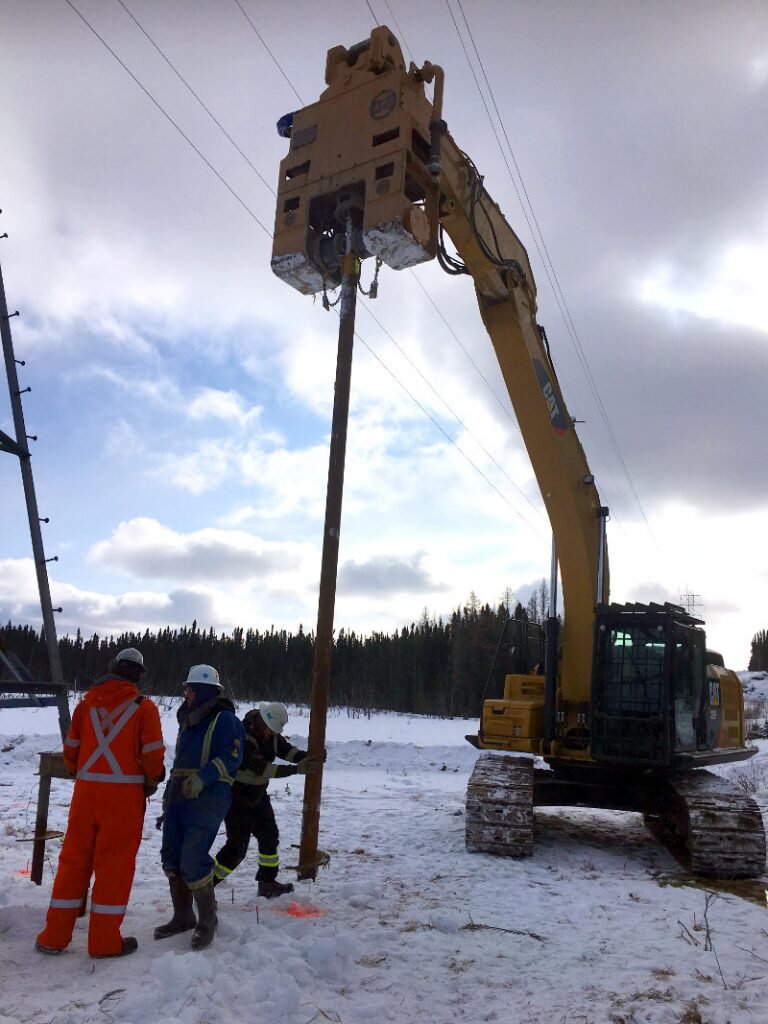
point(691, 602)
point(53, 691)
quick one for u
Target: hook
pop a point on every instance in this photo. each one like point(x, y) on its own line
point(5, 233)
point(54, 559)
point(15, 313)
point(31, 437)
point(41, 520)
point(57, 609)
point(23, 392)
point(21, 362)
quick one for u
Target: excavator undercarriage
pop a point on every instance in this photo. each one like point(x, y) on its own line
point(719, 827)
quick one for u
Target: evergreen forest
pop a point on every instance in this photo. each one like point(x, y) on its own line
point(758, 661)
point(431, 667)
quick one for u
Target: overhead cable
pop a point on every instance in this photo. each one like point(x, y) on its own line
point(183, 80)
point(165, 113)
point(541, 246)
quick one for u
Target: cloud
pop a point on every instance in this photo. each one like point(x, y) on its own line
point(144, 547)
point(223, 405)
point(733, 291)
point(387, 575)
point(81, 609)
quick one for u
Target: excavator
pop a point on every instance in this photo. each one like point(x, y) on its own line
point(631, 709)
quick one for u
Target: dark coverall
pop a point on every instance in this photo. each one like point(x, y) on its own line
point(250, 813)
point(210, 743)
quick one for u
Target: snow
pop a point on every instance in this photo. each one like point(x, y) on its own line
point(600, 926)
point(754, 684)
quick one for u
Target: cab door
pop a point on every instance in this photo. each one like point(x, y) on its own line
point(687, 680)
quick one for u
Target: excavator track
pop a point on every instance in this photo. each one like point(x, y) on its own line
point(500, 806)
point(721, 828)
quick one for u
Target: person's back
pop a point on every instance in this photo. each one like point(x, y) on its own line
point(114, 735)
point(115, 750)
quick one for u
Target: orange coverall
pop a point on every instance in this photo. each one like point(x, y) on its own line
point(114, 745)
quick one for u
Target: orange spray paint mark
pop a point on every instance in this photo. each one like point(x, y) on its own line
point(299, 910)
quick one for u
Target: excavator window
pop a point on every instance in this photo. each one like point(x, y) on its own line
point(630, 694)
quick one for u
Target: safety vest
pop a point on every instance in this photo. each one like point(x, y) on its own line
point(114, 755)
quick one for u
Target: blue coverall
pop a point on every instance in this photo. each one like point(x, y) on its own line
point(211, 745)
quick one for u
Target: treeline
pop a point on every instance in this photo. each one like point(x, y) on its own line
point(430, 667)
point(758, 661)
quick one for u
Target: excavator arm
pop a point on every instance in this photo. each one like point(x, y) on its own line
point(634, 705)
point(376, 147)
point(506, 296)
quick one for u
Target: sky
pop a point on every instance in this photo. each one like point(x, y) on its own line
point(600, 925)
point(182, 395)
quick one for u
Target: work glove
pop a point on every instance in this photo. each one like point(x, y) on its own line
point(159, 823)
point(308, 766)
point(192, 786)
point(150, 787)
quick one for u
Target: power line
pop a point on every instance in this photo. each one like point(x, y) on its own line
point(254, 217)
point(506, 409)
point(391, 338)
point(445, 433)
point(165, 113)
point(183, 80)
point(447, 405)
point(368, 5)
point(549, 268)
point(274, 59)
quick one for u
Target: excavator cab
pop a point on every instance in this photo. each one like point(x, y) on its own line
point(650, 698)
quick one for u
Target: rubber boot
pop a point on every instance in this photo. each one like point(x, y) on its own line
point(183, 916)
point(274, 888)
point(206, 916)
point(130, 945)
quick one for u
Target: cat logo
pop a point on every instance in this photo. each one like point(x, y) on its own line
point(557, 419)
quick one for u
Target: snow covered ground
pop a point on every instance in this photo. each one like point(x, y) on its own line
point(602, 925)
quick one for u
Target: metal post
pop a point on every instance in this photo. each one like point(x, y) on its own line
point(22, 450)
point(51, 767)
point(550, 653)
point(309, 859)
point(601, 596)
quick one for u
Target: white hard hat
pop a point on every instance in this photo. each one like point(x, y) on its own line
point(130, 654)
point(205, 675)
point(275, 716)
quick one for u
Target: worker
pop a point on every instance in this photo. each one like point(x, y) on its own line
point(251, 813)
point(209, 750)
point(114, 748)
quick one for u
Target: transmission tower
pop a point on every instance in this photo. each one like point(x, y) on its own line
point(21, 690)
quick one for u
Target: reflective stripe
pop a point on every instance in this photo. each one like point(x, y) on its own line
point(222, 770)
point(220, 870)
point(269, 860)
point(151, 746)
point(108, 777)
point(206, 754)
point(67, 904)
point(291, 755)
point(201, 882)
point(71, 743)
point(249, 777)
point(108, 908)
point(106, 727)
